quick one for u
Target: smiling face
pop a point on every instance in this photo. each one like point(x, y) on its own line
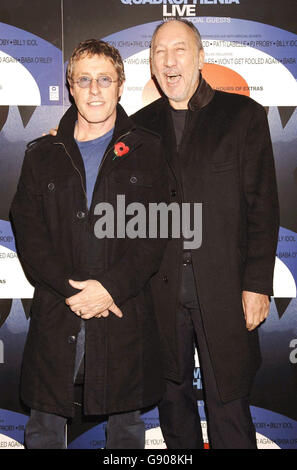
point(96, 106)
point(176, 61)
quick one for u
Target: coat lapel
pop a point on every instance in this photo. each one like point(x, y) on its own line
point(123, 132)
point(162, 125)
point(65, 136)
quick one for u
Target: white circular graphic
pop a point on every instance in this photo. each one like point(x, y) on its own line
point(9, 443)
point(17, 85)
point(13, 282)
point(283, 281)
point(154, 439)
point(262, 72)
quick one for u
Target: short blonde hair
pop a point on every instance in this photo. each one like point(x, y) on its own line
point(92, 47)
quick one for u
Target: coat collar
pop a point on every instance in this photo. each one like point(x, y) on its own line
point(161, 107)
point(161, 121)
point(123, 131)
point(65, 133)
point(202, 96)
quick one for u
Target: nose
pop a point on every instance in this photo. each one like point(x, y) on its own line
point(94, 87)
point(169, 58)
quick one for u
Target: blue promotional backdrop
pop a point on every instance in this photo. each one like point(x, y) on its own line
point(251, 48)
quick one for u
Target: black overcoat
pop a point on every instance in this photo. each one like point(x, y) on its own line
point(56, 242)
point(226, 163)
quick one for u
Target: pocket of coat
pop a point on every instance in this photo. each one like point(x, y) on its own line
point(219, 167)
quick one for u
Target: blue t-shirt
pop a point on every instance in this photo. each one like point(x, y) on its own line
point(92, 152)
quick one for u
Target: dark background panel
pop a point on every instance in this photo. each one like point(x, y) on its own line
point(40, 17)
point(99, 18)
point(279, 13)
point(82, 19)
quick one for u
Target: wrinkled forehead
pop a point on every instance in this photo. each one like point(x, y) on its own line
point(174, 32)
point(88, 63)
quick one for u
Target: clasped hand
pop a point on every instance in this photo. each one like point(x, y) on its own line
point(93, 300)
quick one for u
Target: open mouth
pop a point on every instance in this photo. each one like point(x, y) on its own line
point(172, 79)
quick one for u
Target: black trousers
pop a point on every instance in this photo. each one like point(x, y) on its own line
point(229, 424)
point(48, 431)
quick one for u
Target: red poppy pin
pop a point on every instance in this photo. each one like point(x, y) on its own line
point(120, 149)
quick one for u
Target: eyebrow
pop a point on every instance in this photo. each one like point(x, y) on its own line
point(99, 73)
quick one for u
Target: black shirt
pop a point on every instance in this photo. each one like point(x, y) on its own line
point(179, 119)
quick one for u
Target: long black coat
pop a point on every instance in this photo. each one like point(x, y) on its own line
point(227, 165)
point(56, 242)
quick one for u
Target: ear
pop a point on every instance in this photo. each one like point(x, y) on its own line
point(151, 63)
point(201, 58)
point(70, 87)
point(121, 89)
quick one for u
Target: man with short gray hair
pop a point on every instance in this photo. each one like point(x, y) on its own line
point(221, 156)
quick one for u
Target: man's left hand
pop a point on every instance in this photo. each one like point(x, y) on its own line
point(255, 307)
point(93, 300)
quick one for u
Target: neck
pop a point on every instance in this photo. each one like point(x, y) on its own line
point(85, 130)
point(184, 104)
point(179, 104)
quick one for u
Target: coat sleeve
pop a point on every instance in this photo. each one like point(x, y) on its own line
point(41, 264)
point(142, 257)
point(261, 205)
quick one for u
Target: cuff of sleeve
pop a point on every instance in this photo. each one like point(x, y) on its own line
point(76, 275)
point(112, 289)
point(265, 290)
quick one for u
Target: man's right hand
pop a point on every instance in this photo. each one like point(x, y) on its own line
point(113, 308)
point(53, 131)
point(92, 300)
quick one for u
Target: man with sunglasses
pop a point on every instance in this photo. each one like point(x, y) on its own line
point(92, 313)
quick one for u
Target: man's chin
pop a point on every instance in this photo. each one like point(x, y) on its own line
point(177, 98)
point(95, 119)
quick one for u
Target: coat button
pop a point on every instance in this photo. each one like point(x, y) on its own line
point(51, 186)
point(133, 179)
point(80, 214)
point(165, 278)
point(173, 193)
point(71, 339)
